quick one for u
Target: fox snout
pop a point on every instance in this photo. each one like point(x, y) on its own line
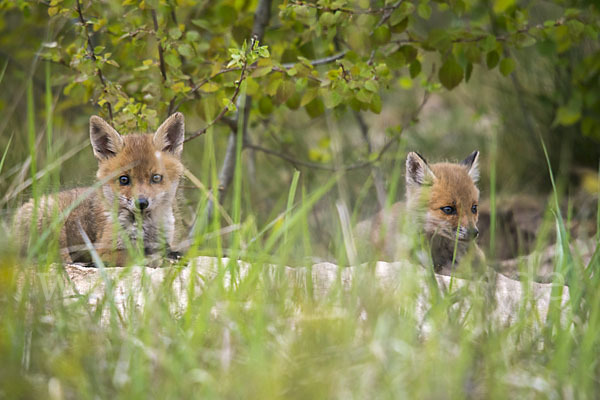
point(472, 233)
point(142, 203)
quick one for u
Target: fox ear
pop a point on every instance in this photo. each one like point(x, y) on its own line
point(417, 170)
point(472, 164)
point(169, 136)
point(106, 141)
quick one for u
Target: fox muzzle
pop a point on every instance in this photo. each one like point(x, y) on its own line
point(142, 203)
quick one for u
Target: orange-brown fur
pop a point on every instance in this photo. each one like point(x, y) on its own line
point(109, 216)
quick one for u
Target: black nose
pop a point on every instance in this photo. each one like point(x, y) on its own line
point(474, 232)
point(142, 203)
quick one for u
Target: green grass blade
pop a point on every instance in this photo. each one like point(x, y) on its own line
point(290, 199)
point(3, 70)
point(5, 153)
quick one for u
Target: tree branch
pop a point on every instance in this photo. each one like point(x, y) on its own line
point(92, 55)
point(358, 165)
point(236, 92)
point(320, 61)
point(261, 20)
point(325, 167)
point(161, 59)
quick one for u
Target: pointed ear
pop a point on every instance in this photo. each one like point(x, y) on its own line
point(417, 170)
point(472, 164)
point(169, 136)
point(106, 141)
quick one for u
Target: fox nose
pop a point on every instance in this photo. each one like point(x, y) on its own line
point(142, 202)
point(474, 232)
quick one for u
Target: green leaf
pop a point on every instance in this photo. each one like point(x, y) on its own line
point(174, 33)
point(327, 19)
point(364, 96)
point(489, 43)
point(400, 26)
point(382, 35)
point(192, 36)
point(468, 71)
point(501, 6)
point(265, 105)
point(285, 90)
point(451, 73)
point(308, 96)
point(294, 101)
point(473, 53)
point(315, 108)
point(507, 65)
point(375, 104)
point(568, 114)
point(372, 86)
point(522, 40)
point(185, 50)
point(332, 98)
point(492, 59)
point(415, 69)
point(173, 60)
point(209, 87)
point(424, 10)
point(180, 87)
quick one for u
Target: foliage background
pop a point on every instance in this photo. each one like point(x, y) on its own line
point(439, 77)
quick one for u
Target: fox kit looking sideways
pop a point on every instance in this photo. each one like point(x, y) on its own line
point(139, 175)
point(441, 200)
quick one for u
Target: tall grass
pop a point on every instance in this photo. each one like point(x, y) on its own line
point(257, 332)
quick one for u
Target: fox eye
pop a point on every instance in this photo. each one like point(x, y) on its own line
point(124, 180)
point(448, 210)
point(156, 178)
point(474, 209)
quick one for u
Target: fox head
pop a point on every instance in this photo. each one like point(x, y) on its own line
point(142, 171)
point(445, 195)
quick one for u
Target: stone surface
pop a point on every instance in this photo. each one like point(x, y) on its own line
point(132, 285)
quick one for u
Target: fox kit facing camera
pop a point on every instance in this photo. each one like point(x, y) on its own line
point(139, 175)
point(441, 202)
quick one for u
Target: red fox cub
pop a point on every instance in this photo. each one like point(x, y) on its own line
point(441, 202)
point(138, 177)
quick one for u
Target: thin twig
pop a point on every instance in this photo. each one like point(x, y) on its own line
point(92, 55)
point(226, 108)
point(358, 165)
point(262, 15)
point(325, 167)
point(161, 59)
point(320, 61)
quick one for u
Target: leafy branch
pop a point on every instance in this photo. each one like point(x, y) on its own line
point(236, 92)
point(413, 117)
point(92, 55)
